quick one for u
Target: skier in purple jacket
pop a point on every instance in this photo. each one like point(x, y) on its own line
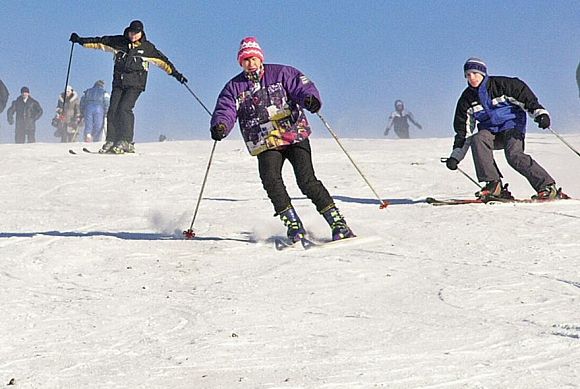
point(267, 100)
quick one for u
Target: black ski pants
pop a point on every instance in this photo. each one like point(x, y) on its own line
point(512, 142)
point(120, 117)
point(270, 164)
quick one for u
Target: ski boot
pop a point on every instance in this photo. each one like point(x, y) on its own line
point(106, 147)
point(550, 192)
point(335, 220)
point(123, 147)
point(295, 231)
point(494, 190)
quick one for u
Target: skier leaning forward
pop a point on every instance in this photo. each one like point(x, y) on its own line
point(498, 105)
point(133, 53)
point(267, 100)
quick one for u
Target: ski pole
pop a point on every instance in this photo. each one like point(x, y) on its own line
point(564, 141)
point(197, 98)
point(465, 174)
point(72, 46)
point(189, 234)
point(383, 203)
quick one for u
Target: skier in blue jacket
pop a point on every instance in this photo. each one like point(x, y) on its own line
point(94, 106)
point(498, 106)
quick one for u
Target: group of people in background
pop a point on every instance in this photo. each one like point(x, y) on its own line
point(88, 110)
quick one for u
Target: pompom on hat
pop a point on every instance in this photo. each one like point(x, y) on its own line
point(249, 47)
point(475, 65)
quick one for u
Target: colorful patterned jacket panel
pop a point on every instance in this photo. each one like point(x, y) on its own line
point(269, 112)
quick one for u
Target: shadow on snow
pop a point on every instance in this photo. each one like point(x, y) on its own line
point(119, 235)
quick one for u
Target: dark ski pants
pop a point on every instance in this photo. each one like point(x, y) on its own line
point(24, 135)
point(270, 164)
point(512, 143)
point(120, 118)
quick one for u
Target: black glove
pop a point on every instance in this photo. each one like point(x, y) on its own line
point(218, 132)
point(179, 77)
point(312, 104)
point(75, 38)
point(543, 121)
point(451, 163)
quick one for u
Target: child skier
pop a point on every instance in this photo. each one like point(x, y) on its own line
point(498, 105)
point(267, 100)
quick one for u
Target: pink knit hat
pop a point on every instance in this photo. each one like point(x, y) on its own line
point(249, 48)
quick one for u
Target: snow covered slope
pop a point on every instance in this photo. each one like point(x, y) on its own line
point(97, 288)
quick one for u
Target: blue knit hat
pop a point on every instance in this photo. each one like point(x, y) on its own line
point(475, 65)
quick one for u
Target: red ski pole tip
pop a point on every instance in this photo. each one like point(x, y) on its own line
point(189, 234)
point(384, 204)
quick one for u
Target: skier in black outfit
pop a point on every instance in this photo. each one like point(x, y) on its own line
point(399, 121)
point(133, 53)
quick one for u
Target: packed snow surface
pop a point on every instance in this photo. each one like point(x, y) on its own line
point(99, 290)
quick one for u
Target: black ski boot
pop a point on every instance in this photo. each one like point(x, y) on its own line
point(335, 220)
point(291, 220)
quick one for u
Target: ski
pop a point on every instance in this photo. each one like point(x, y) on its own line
point(438, 202)
point(307, 244)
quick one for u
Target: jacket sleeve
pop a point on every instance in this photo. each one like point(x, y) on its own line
point(519, 93)
point(157, 58)
point(298, 86)
point(390, 122)
point(10, 112)
point(37, 111)
point(464, 125)
point(110, 43)
point(3, 96)
point(225, 111)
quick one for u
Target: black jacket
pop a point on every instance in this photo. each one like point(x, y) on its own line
point(131, 59)
point(3, 96)
point(26, 113)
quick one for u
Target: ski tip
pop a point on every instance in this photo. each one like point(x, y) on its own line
point(71, 151)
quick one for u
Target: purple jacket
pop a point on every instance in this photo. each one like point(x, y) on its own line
point(270, 112)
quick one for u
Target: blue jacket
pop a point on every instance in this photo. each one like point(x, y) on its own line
point(95, 96)
point(497, 105)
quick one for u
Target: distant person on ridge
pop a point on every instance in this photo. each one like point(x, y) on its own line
point(399, 121)
point(133, 53)
point(94, 107)
point(68, 120)
point(268, 102)
point(498, 106)
point(27, 111)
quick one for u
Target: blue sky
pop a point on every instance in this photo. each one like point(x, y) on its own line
point(361, 55)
